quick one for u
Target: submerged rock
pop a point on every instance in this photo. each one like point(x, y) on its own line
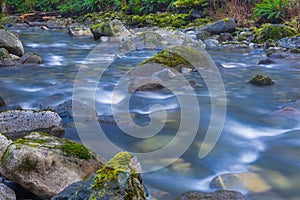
point(118, 179)
point(266, 61)
point(218, 195)
point(6, 193)
point(11, 42)
point(65, 110)
point(226, 25)
point(45, 165)
point(248, 181)
point(260, 80)
point(17, 123)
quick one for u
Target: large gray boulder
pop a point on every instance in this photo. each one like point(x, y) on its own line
point(45, 165)
point(11, 42)
point(17, 123)
point(6, 193)
point(218, 195)
point(118, 179)
point(227, 25)
point(112, 28)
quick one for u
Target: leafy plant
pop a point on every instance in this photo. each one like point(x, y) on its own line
point(272, 10)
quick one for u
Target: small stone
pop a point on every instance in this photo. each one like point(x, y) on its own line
point(225, 37)
point(260, 80)
point(57, 131)
point(6, 193)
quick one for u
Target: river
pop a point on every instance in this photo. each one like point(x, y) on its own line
point(257, 135)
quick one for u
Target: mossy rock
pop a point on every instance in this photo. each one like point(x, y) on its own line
point(273, 31)
point(295, 50)
point(118, 179)
point(170, 58)
point(261, 80)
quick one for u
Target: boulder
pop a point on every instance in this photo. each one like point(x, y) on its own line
point(17, 123)
point(218, 195)
point(112, 28)
point(118, 179)
point(273, 32)
point(45, 165)
point(227, 25)
point(11, 42)
point(31, 58)
point(79, 30)
point(261, 80)
point(6, 193)
point(5, 58)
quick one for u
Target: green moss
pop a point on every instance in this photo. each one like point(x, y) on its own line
point(226, 19)
point(118, 178)
point(166, 57)
point(74, 149)
point(273, 31)
point(28, 165)
point(260, 80)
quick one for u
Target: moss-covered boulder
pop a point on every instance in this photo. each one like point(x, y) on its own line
point(118, 179)
point(112, 28)
point(79, 30)
point(45, 165)
point(218, 195)
point(261, 80)
point(17, 123)
point(169, 57)
point(274, 32)
point(11, 42)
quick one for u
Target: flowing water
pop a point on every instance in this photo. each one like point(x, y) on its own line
point(258, 135)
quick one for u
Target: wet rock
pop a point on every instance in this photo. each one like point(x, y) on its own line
point(218, 195)
point(65, 111)
point(227, 25)
point(266, 61)
point(6, 193)
point(2, 102)
point(31, 58)
point(118, 179)
point(224, 37)
point(17, 123)
point(5, 59)
point(260, 80)
point(112, 28)
point(11, 42)
point(45, 165)
point(79, 30)
point(272, 54)
point(144, 84)
point(248, 181)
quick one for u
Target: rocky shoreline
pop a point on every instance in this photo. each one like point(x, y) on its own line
point(34, 156)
